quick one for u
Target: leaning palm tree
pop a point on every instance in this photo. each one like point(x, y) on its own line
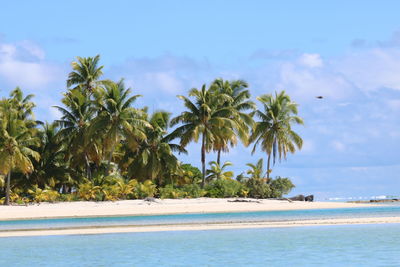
point(15, 145)
point(217, 172)
point(86, 74)
point(202, 117)
point(274, 130)
point(116, 119)
point(242, 107)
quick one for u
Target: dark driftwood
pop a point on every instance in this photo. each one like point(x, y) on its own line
point(245, 200)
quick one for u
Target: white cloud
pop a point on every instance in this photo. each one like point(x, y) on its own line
point(338, 146)
point(371, 69)
point(311, 60)
point(33, 49)
point(23, 64)
point(305, 83)
point(165, 81)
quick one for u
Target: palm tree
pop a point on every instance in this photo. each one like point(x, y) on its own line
point(201, 119)
point(274, 130)
point(15, 145)
point(22, 104)
point(85, 75)
point(256, 171)
point(241, 105)
point(116, 119)
point(51, 169)
point(154, 156)
point(218, 172)
point(75, 121)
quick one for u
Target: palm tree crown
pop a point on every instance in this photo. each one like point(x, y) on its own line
point(202, 118)
point(274, 130)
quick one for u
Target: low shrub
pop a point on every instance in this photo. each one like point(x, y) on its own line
point(257, 188)
point(145, 189)
point(193, 191)
point(170, 192)
point(280, 186)
point(224, 188)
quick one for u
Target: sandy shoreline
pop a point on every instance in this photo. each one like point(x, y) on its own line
point(171, 206)
point(199, 227)
point(166, 206)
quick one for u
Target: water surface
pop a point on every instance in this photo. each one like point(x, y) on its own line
point(349, 245)
point(257, 216)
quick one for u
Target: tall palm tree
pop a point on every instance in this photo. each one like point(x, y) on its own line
point(15, 144)
point(86, 74)
point(116, 119)
point(242, 107)
point(201, 119)
point(75, 120)
point(274, 130)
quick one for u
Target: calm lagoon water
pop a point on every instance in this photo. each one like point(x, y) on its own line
point(351, 245)
point(382, 211)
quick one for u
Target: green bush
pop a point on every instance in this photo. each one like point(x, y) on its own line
point(257, 188)
point(224, 188)
point(281, 186)
point(193, 191)
point(145, 189)
point(170, 192)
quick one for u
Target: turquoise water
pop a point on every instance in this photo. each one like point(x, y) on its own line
point(382, 211)
point(352, 245)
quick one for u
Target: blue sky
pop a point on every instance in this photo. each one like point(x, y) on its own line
point(347, 51)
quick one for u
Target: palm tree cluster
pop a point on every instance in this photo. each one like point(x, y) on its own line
point(102, 145)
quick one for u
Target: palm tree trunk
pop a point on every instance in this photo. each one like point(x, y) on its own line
point(88, 170)
point(109, 159)
point(219, 157)
point(203, 159)
point(7, 201)
point(268, 165)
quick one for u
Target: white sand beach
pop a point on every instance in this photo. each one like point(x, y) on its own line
point(160, 206)
point(172, 206)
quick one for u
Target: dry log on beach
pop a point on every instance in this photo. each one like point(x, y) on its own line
point(245, 200)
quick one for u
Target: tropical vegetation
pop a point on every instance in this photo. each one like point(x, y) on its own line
point(105, 147)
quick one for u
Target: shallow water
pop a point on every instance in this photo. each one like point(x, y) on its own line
point(379, 211)
point(350, 245)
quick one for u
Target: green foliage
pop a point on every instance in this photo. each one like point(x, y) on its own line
point(145, 189)
point(274, 130)
point(281, 186)
point(224, 188)
point(104, 148)
point(217, 172)
point(257, 188)
point(193, 191)
point(186, 191)
point(43, 195)
point(170, 192)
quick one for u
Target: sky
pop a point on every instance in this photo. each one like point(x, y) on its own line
point(346, 51)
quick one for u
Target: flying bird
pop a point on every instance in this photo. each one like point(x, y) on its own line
point(319, 97)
